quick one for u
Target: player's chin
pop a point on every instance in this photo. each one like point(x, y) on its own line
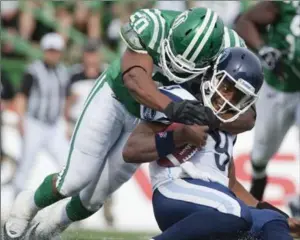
point(226, 116)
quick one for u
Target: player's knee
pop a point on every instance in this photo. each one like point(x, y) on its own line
point(261, 155)
point(259, 169)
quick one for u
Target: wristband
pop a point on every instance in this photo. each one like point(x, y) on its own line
point(266, 205)
point(164, 142)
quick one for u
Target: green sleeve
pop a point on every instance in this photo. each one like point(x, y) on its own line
point(232, 39)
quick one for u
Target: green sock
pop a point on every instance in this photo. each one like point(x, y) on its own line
point(76, 211)
point(45, 195)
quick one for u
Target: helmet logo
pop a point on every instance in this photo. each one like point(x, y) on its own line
point(224, 54)
point(180, 19)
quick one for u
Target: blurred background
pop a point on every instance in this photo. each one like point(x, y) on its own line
point(90, 33)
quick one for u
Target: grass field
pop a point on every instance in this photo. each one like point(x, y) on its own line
point(93, 235)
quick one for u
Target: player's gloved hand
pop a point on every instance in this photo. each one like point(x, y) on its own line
point(271, 59)
point(188, 112)
point(212, 121)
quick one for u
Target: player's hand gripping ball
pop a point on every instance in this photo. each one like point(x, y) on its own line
point(186, 152)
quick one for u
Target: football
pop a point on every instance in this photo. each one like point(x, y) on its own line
point(180, 155)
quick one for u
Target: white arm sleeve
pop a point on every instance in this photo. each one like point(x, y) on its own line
point(176, 93)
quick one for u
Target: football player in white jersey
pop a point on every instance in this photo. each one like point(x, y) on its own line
point(196, 195)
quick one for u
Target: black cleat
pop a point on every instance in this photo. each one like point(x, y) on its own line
point(258, 187)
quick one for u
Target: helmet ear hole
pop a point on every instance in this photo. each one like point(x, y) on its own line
point(187, 32)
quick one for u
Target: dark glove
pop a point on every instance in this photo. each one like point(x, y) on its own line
point(271, 59)
point(189, 112)
point(213, 121)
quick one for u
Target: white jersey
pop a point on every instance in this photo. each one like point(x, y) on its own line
point(210, 163)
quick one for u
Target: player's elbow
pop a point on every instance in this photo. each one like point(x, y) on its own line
point(250, 117)
point(250, 125)
point(242, 24)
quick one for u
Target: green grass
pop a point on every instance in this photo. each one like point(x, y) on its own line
point(94, 235)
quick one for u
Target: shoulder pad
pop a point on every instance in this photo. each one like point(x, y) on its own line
point(232, 39)
point(131, 38)
point(149, 25)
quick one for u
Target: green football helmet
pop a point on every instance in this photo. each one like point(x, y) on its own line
point(195, 39)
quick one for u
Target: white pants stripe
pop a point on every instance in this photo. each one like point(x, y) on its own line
point(185, 191)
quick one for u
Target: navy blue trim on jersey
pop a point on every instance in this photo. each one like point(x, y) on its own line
point(172, 96)
point(234, 141)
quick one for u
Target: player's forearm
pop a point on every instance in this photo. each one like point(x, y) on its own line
point(236, 187)
point(243, 194)
point(256, 19)
point(249, 32)
point(141, 148)
point(144, 90)
point(244, 123)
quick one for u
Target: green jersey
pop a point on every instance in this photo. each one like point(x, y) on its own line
point(284, 35)
point(143, 34)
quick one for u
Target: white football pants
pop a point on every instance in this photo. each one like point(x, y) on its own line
point(276, 112)
point(95, 167)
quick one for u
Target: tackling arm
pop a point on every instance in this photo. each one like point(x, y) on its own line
point(244, 123)
point(248, 24)
point(239, 189)
point(137, 71)
point(142, 145)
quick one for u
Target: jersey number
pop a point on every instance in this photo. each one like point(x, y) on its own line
point(291, 38)
point(220, 151)
point(140, 22)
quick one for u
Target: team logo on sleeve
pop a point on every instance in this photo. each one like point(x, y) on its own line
point(180, 19)
point(148, 113)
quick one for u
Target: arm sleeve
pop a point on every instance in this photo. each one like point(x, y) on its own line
point(27, 83)
point(7, 91)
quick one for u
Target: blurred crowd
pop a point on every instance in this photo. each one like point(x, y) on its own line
point(77, 20)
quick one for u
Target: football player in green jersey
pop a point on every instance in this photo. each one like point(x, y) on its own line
point(272, 28)
point(164, 46)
